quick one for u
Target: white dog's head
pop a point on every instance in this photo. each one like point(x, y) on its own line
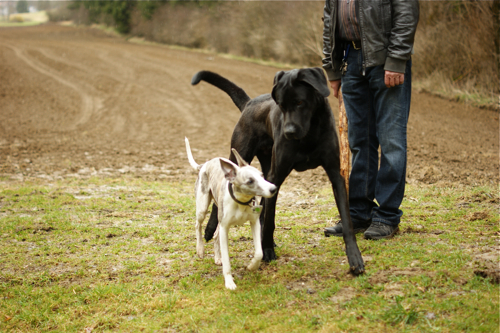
point(245, 178)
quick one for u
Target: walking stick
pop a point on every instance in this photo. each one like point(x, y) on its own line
point(345, 152)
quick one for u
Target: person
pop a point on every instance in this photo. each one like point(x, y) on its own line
point(367, 46)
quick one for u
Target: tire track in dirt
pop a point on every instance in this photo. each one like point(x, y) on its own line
point(123, 75)
point(88, 101)
point(175, 93)
point(108, 102)
point(128, 67)
point(181, 102)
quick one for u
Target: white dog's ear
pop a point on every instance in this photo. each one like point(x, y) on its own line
point(229, 168)
point(239, 159)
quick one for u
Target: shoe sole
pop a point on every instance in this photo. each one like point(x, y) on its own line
point(356, 231)
point(383, 237)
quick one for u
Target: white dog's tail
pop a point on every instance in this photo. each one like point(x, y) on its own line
point(195, 165)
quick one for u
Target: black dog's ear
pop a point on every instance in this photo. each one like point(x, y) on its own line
point(316, 78)
point(277, 78)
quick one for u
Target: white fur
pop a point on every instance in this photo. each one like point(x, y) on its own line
point(212, 183)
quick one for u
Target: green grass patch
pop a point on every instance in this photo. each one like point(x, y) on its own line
point(119, 255)
point(19, 24)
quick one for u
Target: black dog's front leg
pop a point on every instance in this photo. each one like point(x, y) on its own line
point(354, 257)
point(268, 226)
point(268, 216)
point(276, 176)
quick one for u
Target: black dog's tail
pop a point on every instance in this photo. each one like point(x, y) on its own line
point(238, 95)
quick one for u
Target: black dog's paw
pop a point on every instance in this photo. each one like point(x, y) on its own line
point(356, 263)
point(357, 268)
point(269, 255)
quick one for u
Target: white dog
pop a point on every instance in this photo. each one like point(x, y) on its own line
point(233, 188)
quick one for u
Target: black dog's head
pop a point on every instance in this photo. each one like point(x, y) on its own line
point(299, 93)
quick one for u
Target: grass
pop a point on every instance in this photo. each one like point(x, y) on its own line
point(119, 255)
point(19, 24)
point(437, 84)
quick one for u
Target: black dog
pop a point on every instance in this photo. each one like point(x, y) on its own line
point(291, 128)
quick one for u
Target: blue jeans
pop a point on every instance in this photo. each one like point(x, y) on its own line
point(377, 117)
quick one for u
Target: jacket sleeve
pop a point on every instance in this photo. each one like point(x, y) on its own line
point(405, 14)
point(328, 43)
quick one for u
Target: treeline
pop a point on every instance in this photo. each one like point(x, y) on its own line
point(456, 47)
point(118, 13)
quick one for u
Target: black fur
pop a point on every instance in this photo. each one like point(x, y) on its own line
point(290, 129)
point(238, 95)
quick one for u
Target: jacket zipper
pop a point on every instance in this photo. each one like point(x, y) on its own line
point(362, 34)
point(333, 24)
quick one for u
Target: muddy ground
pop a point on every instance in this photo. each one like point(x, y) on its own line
point(76, 102)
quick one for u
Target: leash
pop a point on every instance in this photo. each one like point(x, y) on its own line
point(346, 52)
point(343, 67)
point(230, 188)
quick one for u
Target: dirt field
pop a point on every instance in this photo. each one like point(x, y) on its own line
point(77, 102)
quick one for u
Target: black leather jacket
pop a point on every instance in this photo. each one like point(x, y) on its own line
point(387, 34)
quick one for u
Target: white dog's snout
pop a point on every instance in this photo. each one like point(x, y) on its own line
point(270, 190)
point(273, 189)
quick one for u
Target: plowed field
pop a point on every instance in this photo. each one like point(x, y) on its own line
point(76, 102)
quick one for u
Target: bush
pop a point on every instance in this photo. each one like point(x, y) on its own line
point(288, 31)
point(59, 14)
point(457, 42)
point(113, 13)
point(16, 18)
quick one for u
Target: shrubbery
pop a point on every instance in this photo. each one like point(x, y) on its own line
point(102, 11)
point(456, 48)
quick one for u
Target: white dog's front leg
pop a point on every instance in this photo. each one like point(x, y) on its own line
point(257, 258)
point(202, 203)
point(217, 258)
point(226, 266)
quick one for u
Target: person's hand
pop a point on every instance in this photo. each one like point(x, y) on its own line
point(335, 87)
point(392, 79)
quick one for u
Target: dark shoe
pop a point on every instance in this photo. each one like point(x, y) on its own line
point(379, 230)
point(336, 230)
